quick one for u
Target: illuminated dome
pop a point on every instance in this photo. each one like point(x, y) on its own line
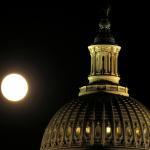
point(104, 116)
point(99, 120)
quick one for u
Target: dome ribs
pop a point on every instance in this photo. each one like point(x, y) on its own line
point(84, 122)
point(87, 121)
point(48, 131)
point(103, 124)
point(60, 117)
point(145, 120)
point(76, 119)
point(138, 116)
point(113, 122)
point(99, 118)
point(125, 118)
point(108, 119)
point(126, 106)
point(68, 123)
point(120, 108)
point(60, 122)
point(144, 110)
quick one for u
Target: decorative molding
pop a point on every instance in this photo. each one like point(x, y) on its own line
point(113, 79)
point(114, 89)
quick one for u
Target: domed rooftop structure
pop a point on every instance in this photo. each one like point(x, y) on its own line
point(104, 116)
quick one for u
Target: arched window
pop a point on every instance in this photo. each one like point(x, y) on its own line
point(78, 131)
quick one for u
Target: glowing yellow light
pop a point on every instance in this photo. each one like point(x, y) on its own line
point(138, 132)
point(118, 131)
point(129, 132)
point(14, 87)
point(88, 130)
point(108, 130)
point(68, 133)
point(145, 133)
point(78, 131)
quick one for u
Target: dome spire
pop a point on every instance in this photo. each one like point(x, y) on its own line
point(104, 54)
point(104, 35)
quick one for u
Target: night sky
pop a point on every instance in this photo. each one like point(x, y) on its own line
point(49, 47)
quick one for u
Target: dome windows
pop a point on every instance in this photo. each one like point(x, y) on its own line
point(118, 132)
point(108, 131)
point(68, 132)
point(128, 132)
point(98, 131)
point(138, 132)
point(145, 131)
point(88, 130)
point(78, 131)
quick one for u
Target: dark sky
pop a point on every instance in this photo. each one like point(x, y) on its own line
point(49, 47)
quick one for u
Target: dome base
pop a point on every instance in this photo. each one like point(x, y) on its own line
point(114, 89)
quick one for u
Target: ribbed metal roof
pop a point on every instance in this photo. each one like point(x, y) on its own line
point(99, 120)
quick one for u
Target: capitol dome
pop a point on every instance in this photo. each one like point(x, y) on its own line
point(103, 116)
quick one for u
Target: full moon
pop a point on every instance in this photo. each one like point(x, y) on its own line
point(14, 87)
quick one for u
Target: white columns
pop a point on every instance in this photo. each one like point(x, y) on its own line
point(104, 62)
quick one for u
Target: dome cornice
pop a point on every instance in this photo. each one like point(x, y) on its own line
point(114, 89)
